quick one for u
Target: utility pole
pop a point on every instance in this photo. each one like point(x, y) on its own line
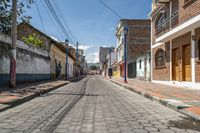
point(77, 59)
point(66, 65)
point(12, 78)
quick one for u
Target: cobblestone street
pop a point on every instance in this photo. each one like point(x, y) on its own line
point(93, 105)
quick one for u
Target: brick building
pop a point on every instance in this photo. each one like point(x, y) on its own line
point(103, 52)
point(176, 42)
point(138, 42)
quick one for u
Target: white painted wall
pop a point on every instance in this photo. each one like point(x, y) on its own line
point(145, 63)
point(70, 67)
point(31, 62)
point(120, 53)
point(140, 70)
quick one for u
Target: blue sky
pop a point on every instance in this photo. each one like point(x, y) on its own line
point(90, 23)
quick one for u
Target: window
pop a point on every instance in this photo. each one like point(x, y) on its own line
point(160, 58)
point(160, 21)
point(140, 65)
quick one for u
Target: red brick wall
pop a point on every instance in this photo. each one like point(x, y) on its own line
point(162, 73)
point(197, 66)
point(136, 50)
point(138, 38)
point(188, 11)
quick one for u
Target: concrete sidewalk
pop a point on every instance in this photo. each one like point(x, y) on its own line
point(184, 100)
point(22, 93)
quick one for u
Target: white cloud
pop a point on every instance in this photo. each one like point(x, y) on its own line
point(93, 57)
point(84, 47)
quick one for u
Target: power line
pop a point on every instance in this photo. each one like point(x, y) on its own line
point(108, 7)
point(55, 16)
point(61, 33)
point(40, 17)
point(64, 21)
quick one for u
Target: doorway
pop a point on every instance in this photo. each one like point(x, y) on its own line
point(186, 55)
point(175, 65)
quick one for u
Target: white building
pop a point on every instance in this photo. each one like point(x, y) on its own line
point(70, 67)
point(144, 67)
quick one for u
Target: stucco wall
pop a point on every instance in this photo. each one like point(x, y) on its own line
point(143, 72)
point(70, 67)
point(32, 64)
point(58, 55)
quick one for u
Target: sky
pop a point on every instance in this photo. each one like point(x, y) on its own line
point(88, 21)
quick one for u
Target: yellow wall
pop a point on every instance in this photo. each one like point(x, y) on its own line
point(57, 54)
point(116, 74)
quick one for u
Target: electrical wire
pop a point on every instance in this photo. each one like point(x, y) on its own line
point(40, 17)
point(64, 21)
point(110, 8)
point(55, 16)
point(56, 25)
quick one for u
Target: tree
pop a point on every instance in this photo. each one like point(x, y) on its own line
point(6, 13)
point(93, 67)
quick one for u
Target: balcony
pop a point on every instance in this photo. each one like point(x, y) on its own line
point(161, 1)
point(168, 24)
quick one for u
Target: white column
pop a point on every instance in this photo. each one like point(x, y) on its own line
point(170, 60)
point(151, 52)
point(193, 56)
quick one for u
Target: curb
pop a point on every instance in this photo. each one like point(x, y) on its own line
point(190, 114)
point(21, 100)
point(170, 103)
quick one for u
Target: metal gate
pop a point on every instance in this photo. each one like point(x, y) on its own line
point(132, 70)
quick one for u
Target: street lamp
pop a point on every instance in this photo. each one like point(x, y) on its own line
point(66, 65)
point(125, 52)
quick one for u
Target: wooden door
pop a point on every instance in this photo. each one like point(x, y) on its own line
point(187, 63)
point(175, 65)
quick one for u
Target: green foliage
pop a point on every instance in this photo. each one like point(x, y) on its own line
point(93, 67)
point(33, 40)
point(6, 13)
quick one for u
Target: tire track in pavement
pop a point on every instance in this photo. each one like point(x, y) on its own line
point(4, 116)
point(81, 117)
point(50, 123)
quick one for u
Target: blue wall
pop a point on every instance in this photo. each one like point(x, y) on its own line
point(23, 78)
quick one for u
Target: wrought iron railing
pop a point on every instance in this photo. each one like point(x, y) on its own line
point(168, 24)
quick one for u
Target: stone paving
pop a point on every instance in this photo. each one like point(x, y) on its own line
point(186, 96)
point(92, 105)
point(7, 95)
